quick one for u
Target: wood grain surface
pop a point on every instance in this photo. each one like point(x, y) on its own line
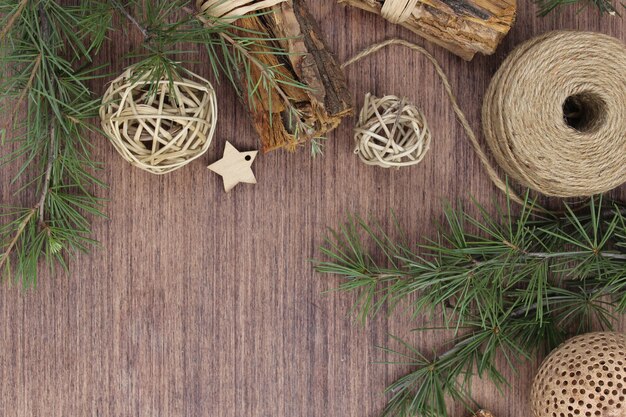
point(201, 303)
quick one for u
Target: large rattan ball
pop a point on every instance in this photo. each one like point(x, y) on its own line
point(584, 377)
point(159, 125)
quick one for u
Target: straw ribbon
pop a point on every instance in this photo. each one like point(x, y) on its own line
point(233, 9)
point(398, 11)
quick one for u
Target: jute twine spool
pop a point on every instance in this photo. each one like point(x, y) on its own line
point(584, 377)
point(156, 128)
point(555, 114)
point(233, 9)
point(391, 133)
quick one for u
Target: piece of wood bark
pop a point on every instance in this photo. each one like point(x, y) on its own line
point(324, 102)
point(464, 27)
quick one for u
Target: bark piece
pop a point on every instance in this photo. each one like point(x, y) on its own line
point(325, 101)
point(464, 27)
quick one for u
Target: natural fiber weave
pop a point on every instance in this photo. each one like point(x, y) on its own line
point(156, 129)
point(398, 11)
point(555, 114)
point(233, 9)
point(391, 133)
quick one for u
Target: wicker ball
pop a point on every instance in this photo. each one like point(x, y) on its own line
point(157, 128)
point(391, 133)
point(584, 377)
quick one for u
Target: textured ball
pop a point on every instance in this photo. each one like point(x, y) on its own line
point(584, 377)
point(391, 133)
point(157, 128)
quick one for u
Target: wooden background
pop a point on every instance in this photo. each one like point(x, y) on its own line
point(204, 304)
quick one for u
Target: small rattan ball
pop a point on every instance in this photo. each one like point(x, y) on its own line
point(157, 126)
point(584, 377)
point(391, 133)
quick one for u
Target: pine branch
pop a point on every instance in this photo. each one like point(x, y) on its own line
point(46, 181)
point(45, 41)
point(14, 16)
point(45, 29)
point(28, 86)
point(18, 234)
point(508, 284)
point(607, 255)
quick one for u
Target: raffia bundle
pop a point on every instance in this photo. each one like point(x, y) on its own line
point(233, 8)
point(398, 11)
point(555, 114)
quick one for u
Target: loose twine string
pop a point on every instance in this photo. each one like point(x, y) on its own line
point(533, 135)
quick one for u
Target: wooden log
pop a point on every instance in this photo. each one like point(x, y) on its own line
point(464, 27)
point(324, 102)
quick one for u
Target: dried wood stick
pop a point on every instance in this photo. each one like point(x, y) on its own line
point(464, 27)
point(326, 100)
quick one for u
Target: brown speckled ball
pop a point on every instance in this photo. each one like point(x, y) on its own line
point(584, 377)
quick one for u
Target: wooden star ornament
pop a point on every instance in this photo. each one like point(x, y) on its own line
point(235, 167)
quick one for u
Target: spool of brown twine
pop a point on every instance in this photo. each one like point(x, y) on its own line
point(554, 115)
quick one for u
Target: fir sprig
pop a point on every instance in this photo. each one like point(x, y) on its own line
point(46, 44)
point(504, 286)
